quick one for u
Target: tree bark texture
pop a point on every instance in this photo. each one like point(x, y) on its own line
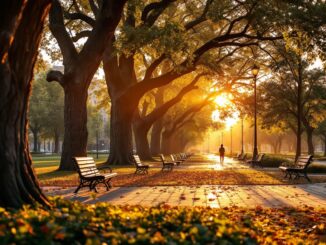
point(166, 142)
point(75, 125)
point(142, 144)
point(56, 142)
point(310, 142)
point(119, 75)
point(121, 135)
point(156, 137)
point(21, 25)
point(299, 110)
point(324, 145)
point(35, 140)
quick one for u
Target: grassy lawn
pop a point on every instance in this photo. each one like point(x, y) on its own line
point(179, 177)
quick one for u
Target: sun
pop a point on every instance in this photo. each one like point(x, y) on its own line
point(222, 100)
point(231, 121)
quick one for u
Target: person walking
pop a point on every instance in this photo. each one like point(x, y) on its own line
point(222, 151)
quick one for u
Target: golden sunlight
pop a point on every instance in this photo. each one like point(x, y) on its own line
point(231, 121)
point(222, 100)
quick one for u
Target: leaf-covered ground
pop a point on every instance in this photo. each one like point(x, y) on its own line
point(74, 223)
point(126, 177)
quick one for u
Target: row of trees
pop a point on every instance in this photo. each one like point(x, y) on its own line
point(154, 44)
point(46, 112)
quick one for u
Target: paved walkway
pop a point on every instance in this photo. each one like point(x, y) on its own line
point(212, 196)
point(217, 196)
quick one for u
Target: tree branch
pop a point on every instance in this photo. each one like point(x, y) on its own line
point(94, 8)
point(59, 31)
point(201, 18)
point(153, 10)
point(55, 76)
point(159, 112)
point(80, 35)
point(80, 16)
point(153, 66)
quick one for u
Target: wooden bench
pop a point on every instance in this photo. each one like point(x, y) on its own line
point(257, 161)
point(237, 156)
point(176, 161)
point(140, 167)
point(298, 168)
point(179, 157)
point(166, 165)
point(89, 175)
point(243, 157)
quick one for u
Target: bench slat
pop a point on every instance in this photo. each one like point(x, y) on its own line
point(89, 165)
point(85, 162)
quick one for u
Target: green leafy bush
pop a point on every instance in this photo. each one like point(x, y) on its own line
point(75, 223)
point(273, 161)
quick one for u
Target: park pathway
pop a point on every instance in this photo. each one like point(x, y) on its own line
point(216, 196)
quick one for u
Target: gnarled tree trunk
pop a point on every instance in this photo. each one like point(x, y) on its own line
point(142, 144)
point(120, 134)
point(75, 114)
point(156, 137)
point(310, 143)
point(166, 142)
point(18, 183)
point(35, 140)
point(56, 142)
point(299, 111)
point(324, 145)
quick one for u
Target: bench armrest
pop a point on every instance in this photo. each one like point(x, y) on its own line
point(105, 168)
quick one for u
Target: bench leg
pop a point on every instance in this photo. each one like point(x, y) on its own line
point(80, 186)
point(286, 175)
point(297, 176)
point(109, 185)
point(93, 186)
point(90, 185)
point(306, 176)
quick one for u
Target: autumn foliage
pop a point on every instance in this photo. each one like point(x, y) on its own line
point(74, 223)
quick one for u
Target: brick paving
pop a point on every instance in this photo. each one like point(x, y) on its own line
point(216, 196)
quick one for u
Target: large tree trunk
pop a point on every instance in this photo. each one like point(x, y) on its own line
point(299, 110)
point(56, 142)
point(274, 146)
point(75, 118)
point(310, 142)
point(142, 144)
point(119, 75)
point(166, 142)
point(18, 183)
point(120, 133)
point(324, 145)
point(35, 140)
point(279, 146)
point(156, 137)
